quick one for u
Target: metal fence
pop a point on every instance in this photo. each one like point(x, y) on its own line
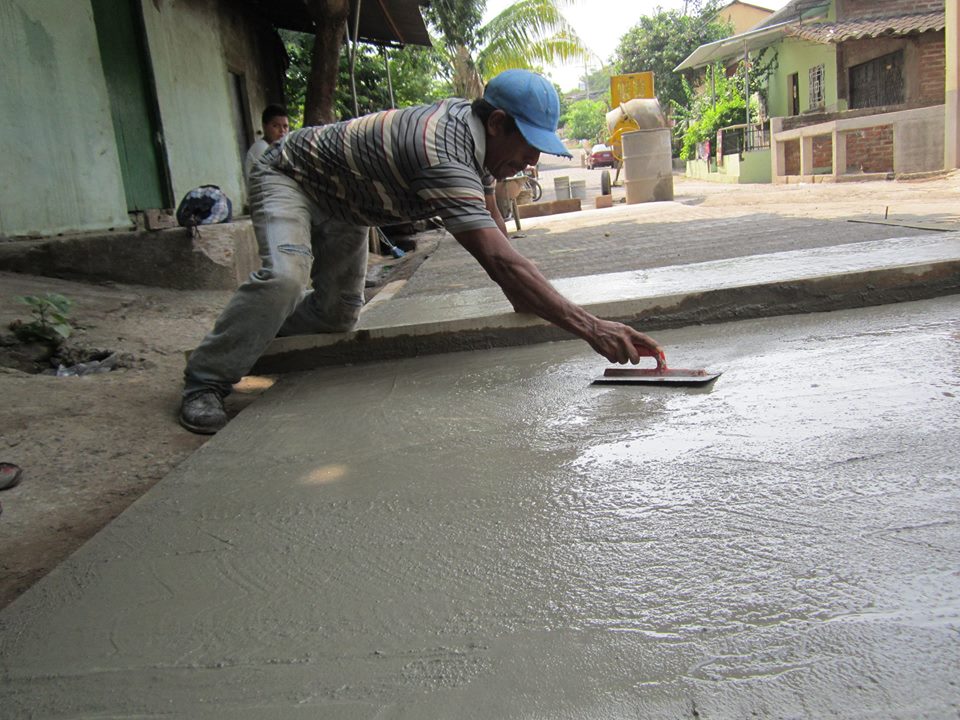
point(737, 139)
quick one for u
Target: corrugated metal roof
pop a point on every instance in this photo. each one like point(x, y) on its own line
point(837, 32)
point(727, 48)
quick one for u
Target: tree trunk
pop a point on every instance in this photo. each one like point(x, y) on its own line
point(331, 19)
point(467, 82)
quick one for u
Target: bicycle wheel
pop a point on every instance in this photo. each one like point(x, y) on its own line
point(536, 192)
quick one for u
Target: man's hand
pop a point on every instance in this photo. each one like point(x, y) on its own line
point(620, 343)
point(529, 291)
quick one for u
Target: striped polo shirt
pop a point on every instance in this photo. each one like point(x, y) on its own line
point(396, 165)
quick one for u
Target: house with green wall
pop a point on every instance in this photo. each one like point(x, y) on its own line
point(111, 110)
point(856, 89)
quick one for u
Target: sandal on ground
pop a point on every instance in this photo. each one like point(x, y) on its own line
point(9, 475)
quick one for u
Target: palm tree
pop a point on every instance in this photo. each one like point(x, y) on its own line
point(527, 34)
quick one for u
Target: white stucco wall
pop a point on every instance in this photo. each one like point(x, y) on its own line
point(60, 172)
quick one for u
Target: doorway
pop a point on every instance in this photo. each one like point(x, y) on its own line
point(793, 94)
point(133, 108)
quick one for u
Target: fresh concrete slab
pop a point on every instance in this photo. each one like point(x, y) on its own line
point(487, 535)
point(809, 280)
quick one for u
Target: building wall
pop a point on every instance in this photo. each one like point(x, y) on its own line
point(254, 52)
point(870, 150)
point(195, 45)
point(61, 172)
point(932, 58)
point(823, 154)
point(742, 16)
point(951, 148)
point(862, 8)
point(924, 62)
point(798, 56)
point(791, 154)
point(193, 94)
point(61, 166)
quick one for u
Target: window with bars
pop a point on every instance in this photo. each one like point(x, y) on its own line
point(877, 82)
point(816, 87)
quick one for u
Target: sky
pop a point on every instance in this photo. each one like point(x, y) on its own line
point(601, 23)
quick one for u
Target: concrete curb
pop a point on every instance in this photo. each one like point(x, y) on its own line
point(835, 278)
point(209, 257)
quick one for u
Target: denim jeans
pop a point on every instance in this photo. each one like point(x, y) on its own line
point(299, 245)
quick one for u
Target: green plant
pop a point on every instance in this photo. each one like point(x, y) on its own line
point(50, 324)
point(586, 119)
point(728, 111)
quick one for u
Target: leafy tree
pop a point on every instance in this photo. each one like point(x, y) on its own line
point(527, 34)
point(661, 41)
point(413, 71)
point(586, 119)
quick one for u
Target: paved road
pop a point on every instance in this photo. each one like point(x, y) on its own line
point(487, 535)
point(638, 237)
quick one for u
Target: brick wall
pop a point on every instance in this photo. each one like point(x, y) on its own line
point(791, 156)
point(847, 9)
point(823, 153)
point(931, 56)
point(870, 150)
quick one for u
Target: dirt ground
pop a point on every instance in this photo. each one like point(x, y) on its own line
point(90, 446)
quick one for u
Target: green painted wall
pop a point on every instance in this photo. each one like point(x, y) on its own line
point(798, 56)
point(193, 94)
point(60, 166)
point(756, 167)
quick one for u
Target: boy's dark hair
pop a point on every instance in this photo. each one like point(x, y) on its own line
point(272, 111)
point(482, 109)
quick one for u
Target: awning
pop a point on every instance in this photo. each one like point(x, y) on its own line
point(382, 22)
point(734, 46)
point(793, 15)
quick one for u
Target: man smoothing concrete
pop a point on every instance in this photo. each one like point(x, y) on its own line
point(314, 194)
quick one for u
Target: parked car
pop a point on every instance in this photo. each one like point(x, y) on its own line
point(600, 156)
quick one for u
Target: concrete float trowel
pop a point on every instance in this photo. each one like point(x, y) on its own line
point(660, 375)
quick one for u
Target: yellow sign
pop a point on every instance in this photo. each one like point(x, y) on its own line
point(628, 87)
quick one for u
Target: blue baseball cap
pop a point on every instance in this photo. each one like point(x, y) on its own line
point(532, 101)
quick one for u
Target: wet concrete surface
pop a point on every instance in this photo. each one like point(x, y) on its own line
point(488, 535)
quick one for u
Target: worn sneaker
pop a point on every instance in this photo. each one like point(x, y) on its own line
point(202, 412)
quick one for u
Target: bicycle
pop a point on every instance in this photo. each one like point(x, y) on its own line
point(533, 185)
point(520, 182)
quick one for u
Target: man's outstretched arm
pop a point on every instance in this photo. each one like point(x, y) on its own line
point(529, 291)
